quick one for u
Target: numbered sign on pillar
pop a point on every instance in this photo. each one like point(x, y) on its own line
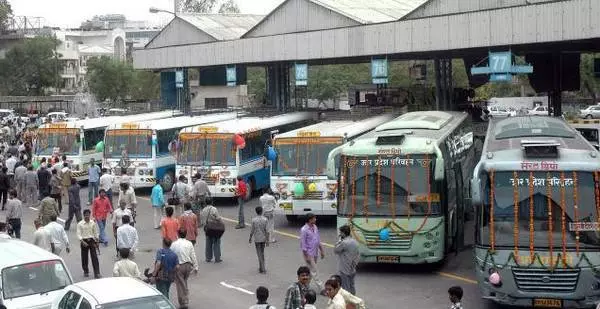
point(178, 79)
point(231, 76)
point(301, 74)
point(379, 71)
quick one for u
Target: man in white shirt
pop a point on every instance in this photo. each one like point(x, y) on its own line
point(127, 236)
point(184, 249)
point(58, 237)
point(126, 267)
point(4, 231)
point(40, 236)
point(106, 182)
point(117, 220)
point(268, 203)
point(10, 163)
point(88, 234)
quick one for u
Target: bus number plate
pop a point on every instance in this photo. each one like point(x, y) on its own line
point(547, 303)
point(388, 259)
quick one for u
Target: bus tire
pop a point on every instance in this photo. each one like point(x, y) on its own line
point(168, 181)
point(251, 188)
point(291, 218)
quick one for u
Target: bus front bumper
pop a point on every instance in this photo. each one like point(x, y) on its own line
point(222, 191)
point(549, 302)
point(136, 182)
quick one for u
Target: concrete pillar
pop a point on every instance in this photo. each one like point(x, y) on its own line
point(555, 96)
point(168, 93)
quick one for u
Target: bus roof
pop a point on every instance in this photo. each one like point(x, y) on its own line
point(335, 128)
point(102, 122)
point(251, 124)
point(177, 122)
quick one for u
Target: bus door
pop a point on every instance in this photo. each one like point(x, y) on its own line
point(459, 215)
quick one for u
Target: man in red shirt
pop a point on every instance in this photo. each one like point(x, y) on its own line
point(101, 207)
point(241, 192)
point(189, 222)
point(169, 226)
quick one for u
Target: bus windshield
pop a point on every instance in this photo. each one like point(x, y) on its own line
point(388, 186)
point(129, 143)
point(207, 150)
point(303, 156)
point(62, 140)
point(570, 197)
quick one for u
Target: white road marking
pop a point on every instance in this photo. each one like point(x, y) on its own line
point(59, 219)
point(236, 288)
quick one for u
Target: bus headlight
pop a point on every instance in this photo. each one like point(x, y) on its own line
point(230, 181)
point(223, 181)
point(141, 172)
point(429, 236)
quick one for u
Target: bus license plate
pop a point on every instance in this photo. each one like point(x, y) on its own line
point(547, 303)
point(388, 259)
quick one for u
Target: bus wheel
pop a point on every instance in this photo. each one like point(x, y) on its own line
point(168, 181)
point(251, 188)
point(291, 218)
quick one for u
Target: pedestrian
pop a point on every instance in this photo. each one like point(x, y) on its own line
point(101, 208)
point(4, 186)
point(188, 264)
point(44, 177)
point(310, 298)
point(294, 296)
point(66, 175)
point(14, 214)
point(48, 209)
point(348, 256)
point(200, 192)
point(268, 203)
point(56, 189)
point(31, 187)
point(125, 267)
point(310, 243)
point(10, 164)
point(88, 235)
point(59, 240)
point(127, 236)
point(94, 177)
point(260, 233)
point(117, 220)
point(164, 268)
point(213, 230)
point(74, 204)
point(169, 225)
point(455, 293)
point(158, 203)
point(40, 236)
point(349, 298)
point(4, 231)
point(180, 195)
point(20, 180)
point(188, 221)
point(262, 295)
point(106, 182)
point(241, 192)
point(336, 301)
point(127, 194)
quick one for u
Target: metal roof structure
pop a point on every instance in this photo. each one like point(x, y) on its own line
point(371, 12)
point(222, 26)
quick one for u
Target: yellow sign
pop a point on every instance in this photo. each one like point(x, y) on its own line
point(308, 141)
point(208, 129)
point(308, 134)
point(197, 136)
point(65, 131)
point(128, 132)
point(130, 125)
point(547, 303)
point(57, 125)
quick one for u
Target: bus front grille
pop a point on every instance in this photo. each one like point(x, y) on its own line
point(310, 195)
point(542, 280)
point(397, 241)
point(211, 181)
point(130, 171)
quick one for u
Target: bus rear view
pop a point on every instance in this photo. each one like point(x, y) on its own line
point(536, 192)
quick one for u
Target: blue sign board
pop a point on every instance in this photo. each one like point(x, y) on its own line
point(379, 71)
point(301, 74)
point(501, 67)
point(178, 79)
point(504, 77)
point(231, 76)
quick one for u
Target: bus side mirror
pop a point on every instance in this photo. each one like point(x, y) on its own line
point(476, 191)
point(333, 156)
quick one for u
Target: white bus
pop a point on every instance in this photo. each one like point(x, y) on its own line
point(78, 139)
point(302, 159)
point(210, 151)
point(142, 148)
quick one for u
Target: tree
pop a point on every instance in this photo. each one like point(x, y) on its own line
point(590, 85)
point(30, 67)
point(109, 79)
point(145, 86)
point(5, 14)
point(229, 6)
point(198, 6)
point(257, 84)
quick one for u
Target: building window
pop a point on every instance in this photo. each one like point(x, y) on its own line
point(213, 103)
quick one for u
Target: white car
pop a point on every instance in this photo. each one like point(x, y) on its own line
point(500, 112)
point(538, 111)
point(7, 114)
point(590, 112)
point(111, 293)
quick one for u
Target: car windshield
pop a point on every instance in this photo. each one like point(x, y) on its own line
point(61, 140)
point(388, 186)
point(151, 302)
point(34, 278)
point(207, 149)
point(532, 196)
point(130, 143)
point(303, 156)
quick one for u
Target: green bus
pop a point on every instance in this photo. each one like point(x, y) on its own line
point(402, 188)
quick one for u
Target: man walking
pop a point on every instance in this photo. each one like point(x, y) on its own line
point(44, 181)
point(48, 209)
point(348, 256)
point(66, 176)
point(158, 203)
point(101, 208)
point(56, 189)
point(40, 236)
point(260, 233)
point(241, 192)
point(58, 237)
point(310, 243)
point(94, 177)
point(164, 268)
point(268, 203)
point(127, 236)
point(88, 235)
point(117, 221)
point(188, 262)
point(14, 214)
point(74, 204)
point(200, 193)
point(4, 187)
point(106, 183)
point(189, 223)
point(20, 180)
point(31, 187)
point(169, 225)
point(125, 267)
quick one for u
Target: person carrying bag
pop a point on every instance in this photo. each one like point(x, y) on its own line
point(214, 228)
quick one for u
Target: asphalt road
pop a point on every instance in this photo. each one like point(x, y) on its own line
point(231, 284)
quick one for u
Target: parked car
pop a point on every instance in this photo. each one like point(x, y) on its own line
point(539, 111)
point(111, 293)
point(592, 111)
point(55, 117)
point(500, 112)
point(7, 114)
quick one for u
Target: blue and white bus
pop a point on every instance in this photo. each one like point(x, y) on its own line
point(142, 148)
point(211, 151)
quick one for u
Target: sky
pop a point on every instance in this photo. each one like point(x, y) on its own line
point(70, 13)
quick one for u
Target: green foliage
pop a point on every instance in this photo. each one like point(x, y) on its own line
point(5, 13)
point(257, 84)
point(229, 6)
point(590, 85)
point(145, 86)
point(327, 82)
point(30, 67)
point(198, 6)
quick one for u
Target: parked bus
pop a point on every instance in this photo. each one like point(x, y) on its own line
point(78, 139)
point(302, 160)
point(589, 129)
point(209, 150)
point(536, 193)
point(402, 187)
point(142, 148)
